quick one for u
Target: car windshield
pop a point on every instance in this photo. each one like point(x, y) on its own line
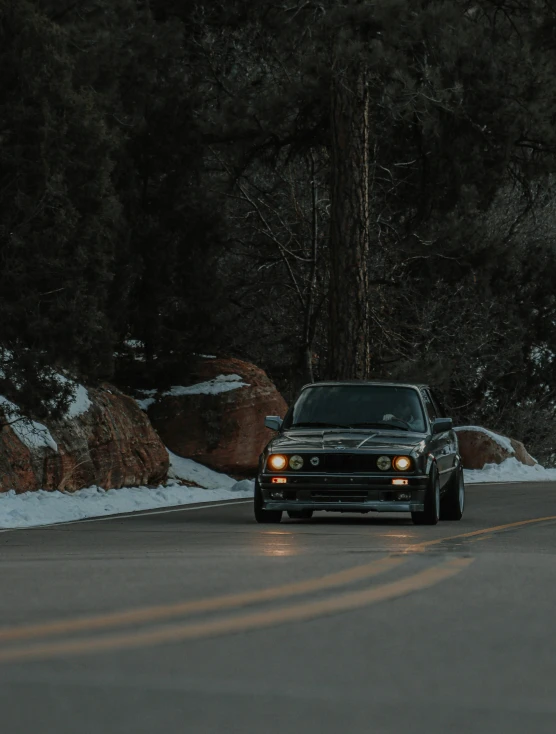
point(358, 406)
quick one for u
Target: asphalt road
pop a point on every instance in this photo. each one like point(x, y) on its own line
point(200, 621)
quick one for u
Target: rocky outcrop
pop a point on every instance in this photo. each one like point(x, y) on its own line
point(479, 446)
point(218, 418)
point(110, 444)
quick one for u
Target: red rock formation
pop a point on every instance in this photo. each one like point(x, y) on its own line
point(110, 445)
point(477, 449)
point(224, 431)
point(16, 471)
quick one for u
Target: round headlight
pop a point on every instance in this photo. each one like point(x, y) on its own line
point(296, 462)
point(277, 462)
point(402, 463)
point(383, 463)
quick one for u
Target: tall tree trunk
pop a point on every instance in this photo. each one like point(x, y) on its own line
point(348, 327)
point(310, 315)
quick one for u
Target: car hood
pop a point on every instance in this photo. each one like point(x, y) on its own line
point(323, 440)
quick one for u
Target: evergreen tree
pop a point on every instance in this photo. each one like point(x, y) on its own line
point(60, 215)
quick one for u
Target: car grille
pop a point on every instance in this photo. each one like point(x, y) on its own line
point(341, 463)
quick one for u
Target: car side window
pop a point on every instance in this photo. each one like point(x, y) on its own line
point(440, 410)
point(429, 405)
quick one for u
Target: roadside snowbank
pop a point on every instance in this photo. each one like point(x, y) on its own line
point(190, 471)
point(46, 508)
point(510, 470)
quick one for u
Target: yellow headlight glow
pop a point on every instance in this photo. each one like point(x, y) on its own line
point(402, 463)
point(277, 462)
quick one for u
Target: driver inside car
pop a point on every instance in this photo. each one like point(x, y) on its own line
point(405, 415)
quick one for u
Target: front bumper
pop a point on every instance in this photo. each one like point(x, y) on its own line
point(344, 493)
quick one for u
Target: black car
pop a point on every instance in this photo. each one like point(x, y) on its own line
point(361, 447)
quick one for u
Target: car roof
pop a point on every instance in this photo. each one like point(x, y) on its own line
point(381, 383)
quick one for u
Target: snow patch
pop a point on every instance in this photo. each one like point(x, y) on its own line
point(32, 434)
point(244, 488)
point(220, 384)
point(145, 403)
point(191, 471)
point(502, 441)
point(510, 470)
point(79, 401)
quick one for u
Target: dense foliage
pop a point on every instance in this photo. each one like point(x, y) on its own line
point(345, 188)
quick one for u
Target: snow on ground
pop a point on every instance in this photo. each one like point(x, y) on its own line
point(46, 508)
point(510, 470)
point(502, 441)
point(191, 471)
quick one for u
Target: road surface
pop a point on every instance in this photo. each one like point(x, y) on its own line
point(200, 621)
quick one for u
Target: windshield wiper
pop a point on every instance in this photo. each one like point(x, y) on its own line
point(379, 424)
point(318, 425)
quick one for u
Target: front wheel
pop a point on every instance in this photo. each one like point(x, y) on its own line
point(453, 502)
point(431, 514)
point(262, 515)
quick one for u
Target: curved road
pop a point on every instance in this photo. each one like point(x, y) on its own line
point(200, 621)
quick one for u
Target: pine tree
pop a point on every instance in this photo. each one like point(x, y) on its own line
point(60, 214)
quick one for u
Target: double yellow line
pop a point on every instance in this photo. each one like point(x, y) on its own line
point(11, 638)
point(214, 627)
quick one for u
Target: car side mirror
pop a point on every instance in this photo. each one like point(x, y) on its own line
point(441, 425)
point(274, 422)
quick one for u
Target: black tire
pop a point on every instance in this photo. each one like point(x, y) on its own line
point(453, 502)
point(431, 514)
point(262, 515)
point(300, 514)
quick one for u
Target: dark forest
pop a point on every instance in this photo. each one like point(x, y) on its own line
point(328, 189)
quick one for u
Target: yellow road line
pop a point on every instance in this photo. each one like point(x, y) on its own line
point(495, 529)
point(230, 601)
point(242, 623)
point(157, 613)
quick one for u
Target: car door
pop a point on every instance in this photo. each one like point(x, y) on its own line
point(441, 443)
point(452, 439)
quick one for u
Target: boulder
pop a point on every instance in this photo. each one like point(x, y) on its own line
point(479, 446)
point(110, 444)
point(217, 419)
